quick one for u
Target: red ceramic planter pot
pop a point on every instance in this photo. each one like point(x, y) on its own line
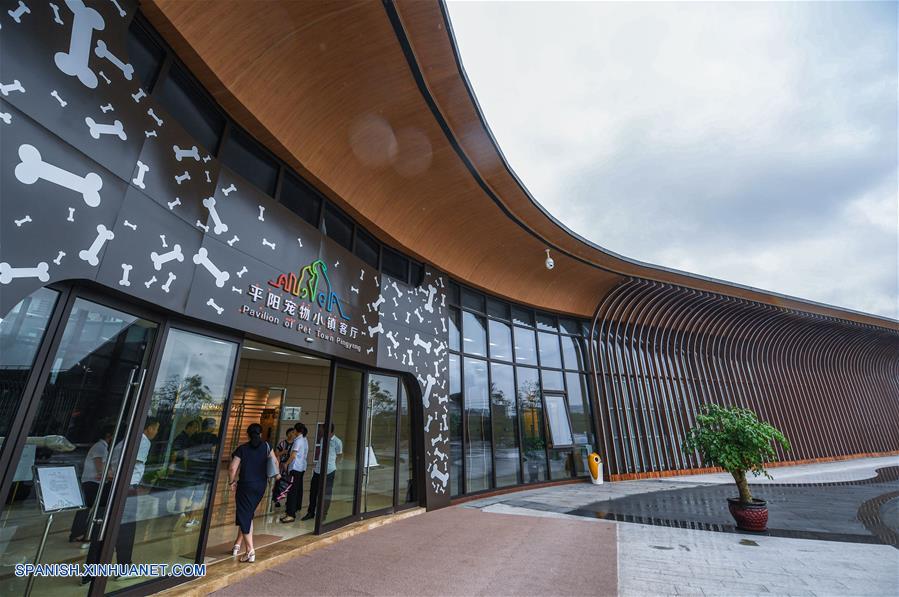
point(750, 517)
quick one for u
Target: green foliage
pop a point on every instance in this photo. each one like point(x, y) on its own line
point(735, 440)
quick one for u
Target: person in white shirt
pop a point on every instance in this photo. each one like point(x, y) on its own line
point(296, 468)
point(335, 453)
point(91, 477)
point(125, 540)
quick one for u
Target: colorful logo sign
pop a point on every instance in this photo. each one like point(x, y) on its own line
point(314, 286)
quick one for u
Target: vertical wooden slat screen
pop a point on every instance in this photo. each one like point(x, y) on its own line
point(661, 352)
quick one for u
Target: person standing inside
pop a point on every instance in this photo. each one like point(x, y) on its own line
point(296, 466)
point(179, 470)
point(247, 477)
point(91, 479)
point(335, 453)
point(125, 541)
point(282, 451)
point(203, 445)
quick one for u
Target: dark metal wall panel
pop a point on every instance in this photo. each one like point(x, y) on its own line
point(662, 352)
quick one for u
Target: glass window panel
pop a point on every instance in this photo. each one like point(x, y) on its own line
point(569, 326)
point(144, 54)
point(478, 453)
point(497, 309)
point(550, 356)
point(367, 248)
point(505, 425)
point(454, 329)
point(299, 198)
point(88, 391)
point(552, 380)
point(547, 322)
point(500, 341)
point(394, 264)
point(21, 333)
point(452, 293)
point(408, 491)
point(522, 316)
point(416, 273)
point(182, 97)
point(525, 346)
point(455, 424)
point(246, 156)
point(572, 352)
point(193, 384)
point(379, 459)
point(340, 471)
point(557, 415)
point(533, 439)
point(580, 409)
point(473, 300)
point(474, 336)
point(338, 227)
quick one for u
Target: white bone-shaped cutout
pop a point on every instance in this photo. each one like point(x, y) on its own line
point(102, 51)
point(212, 304)
point(180, 154)
point(160, 260)
point(75, 62)
point(209, 203)
point(202, 258)
point(9, 273)
point(91, 254)
point(32, 168)
point(97, 129)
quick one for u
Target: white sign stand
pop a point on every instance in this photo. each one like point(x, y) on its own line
point(58, 490)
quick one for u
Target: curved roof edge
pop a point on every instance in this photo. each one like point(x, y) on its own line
point(465, 211)
point(724, 286)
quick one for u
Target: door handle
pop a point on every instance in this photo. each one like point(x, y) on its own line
point(99, 497)
point(118, 468)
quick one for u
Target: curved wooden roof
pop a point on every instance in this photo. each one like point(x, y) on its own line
point(370, 102)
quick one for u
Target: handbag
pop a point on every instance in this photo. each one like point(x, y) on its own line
point(272, 467)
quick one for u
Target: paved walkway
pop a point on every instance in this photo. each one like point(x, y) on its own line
point(454, 551)
point(550, 542)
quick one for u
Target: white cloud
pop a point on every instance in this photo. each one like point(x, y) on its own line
point(754, 142)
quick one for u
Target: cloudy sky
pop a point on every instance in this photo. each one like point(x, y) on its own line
point(752, 142)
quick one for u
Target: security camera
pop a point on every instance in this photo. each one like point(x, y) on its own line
point(549, 261)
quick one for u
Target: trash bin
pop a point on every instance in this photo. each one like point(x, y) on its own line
point(595, 463)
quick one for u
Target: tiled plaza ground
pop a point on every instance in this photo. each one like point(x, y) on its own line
point(560, 541)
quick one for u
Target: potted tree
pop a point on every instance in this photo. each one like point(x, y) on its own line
point(734, 439)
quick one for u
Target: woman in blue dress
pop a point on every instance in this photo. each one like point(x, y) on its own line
point(248, 477)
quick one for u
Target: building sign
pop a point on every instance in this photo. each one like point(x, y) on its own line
point(307, 304)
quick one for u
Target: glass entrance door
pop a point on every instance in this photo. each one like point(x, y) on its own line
point(85, 407)
point(379, 456)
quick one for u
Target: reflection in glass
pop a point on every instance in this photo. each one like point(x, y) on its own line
point(406, 474)
point(500, 341)
point(86, 395)
point(549, 350)
point(340, 472)
point(572, 353)
point(454, 329)
point(525, 346)
point(455, 424)
point(379, 460)
point(474, 335)
point(532, 433)
point(552, 380)
point(21, 333)
point(557, 415)
point(478, 453)
point(546, 322)
point(505, 425)
point(522, 316)
point(581, 417)
point(172, 477)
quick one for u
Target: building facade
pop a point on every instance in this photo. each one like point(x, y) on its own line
point(217, 214)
